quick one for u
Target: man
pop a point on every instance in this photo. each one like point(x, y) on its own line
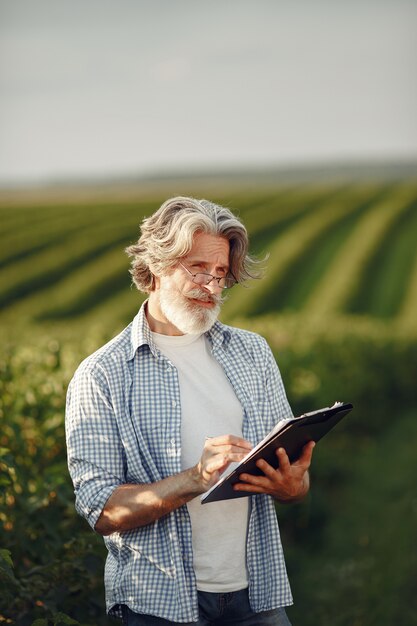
point(156, 415)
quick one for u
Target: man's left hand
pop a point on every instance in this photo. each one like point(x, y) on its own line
point(288, 483)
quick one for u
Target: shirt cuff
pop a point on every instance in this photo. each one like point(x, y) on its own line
point(92, 509)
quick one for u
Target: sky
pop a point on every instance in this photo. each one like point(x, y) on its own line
point(108, 88)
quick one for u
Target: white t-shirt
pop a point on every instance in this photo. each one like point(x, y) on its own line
point(209, 407)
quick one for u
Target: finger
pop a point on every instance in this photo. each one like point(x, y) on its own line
point(229, 440)
point(226, 449)
point(267, 469)
point(248, 488)
point(221, 461)
point(258, 486)
point(306, 455)
point(283, 460)
point(252, 479)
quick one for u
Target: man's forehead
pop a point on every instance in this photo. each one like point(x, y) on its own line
point(210, 247)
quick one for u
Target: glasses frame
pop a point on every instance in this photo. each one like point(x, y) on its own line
point(210, 277)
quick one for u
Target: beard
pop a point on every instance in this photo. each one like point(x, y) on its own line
point(189, 317)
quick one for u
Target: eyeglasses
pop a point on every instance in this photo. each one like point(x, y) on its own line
point(202, 278)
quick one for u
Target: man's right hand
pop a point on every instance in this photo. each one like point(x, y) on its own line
point(134, 505)
point(218, 454)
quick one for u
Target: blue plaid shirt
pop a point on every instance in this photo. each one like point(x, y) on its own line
point(123, 425)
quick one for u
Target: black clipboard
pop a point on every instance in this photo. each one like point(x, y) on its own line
point(291, 434)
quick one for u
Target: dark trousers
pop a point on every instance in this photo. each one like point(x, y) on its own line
point(217, 609)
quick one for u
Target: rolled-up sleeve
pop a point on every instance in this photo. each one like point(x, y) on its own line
point(96, 459)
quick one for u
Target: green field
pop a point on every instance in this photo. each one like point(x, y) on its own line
point(335, 250)
point(338, 305)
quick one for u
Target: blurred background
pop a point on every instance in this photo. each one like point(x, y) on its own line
point(301, 118)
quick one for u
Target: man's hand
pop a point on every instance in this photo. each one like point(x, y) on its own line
point(218, 454)
point(288, 483)
point(134, 505)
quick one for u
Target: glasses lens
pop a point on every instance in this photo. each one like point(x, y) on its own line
point(229, 282)
point(225, 282)
point(202, 279)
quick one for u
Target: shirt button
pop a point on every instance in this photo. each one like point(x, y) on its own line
point(174, 404)
point(172, 442)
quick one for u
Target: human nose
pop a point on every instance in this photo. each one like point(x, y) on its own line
point(213, 286)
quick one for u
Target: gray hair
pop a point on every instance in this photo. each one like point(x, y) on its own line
point(167, 236)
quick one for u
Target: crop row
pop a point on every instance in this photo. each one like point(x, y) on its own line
point(298, 241)
point(50, 250)
point(88, 286)
point(58, 260)
point(408, 311)
point(39, 229)
point(98, 281)
point(339, 285)
point(266, 222)
point(385, 280)
point(299, 282)
point(332, 249)
point(314, 259)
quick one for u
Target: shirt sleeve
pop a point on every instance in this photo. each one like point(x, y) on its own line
point(275, 389)
point(95, 452)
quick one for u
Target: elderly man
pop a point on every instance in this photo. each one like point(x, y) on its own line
point(156, 415)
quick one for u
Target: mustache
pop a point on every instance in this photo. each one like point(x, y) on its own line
point(198, 294)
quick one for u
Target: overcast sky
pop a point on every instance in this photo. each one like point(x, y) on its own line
point(104, 87)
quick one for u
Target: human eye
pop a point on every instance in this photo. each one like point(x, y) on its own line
point(221, 272)
point(198, 268)
point(194, 263)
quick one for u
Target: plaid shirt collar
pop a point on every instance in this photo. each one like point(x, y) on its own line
point(219, 335)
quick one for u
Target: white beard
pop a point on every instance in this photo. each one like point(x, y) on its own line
point(188, 316)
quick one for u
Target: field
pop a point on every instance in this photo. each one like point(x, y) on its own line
point(338, 305)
